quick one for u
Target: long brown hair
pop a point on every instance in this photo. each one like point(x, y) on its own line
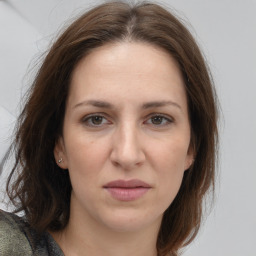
point(41, 189)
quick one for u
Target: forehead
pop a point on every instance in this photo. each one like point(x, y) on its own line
point(127, 69)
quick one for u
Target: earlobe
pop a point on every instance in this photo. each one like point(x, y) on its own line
point(190, 162)
point(60, 154)
point(190, 158)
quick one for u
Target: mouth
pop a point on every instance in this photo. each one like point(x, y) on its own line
point(127, 190)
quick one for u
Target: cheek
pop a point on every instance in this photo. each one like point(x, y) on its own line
point(170, 161)
point(85, 155)
point(171, 154)
point(86, 159)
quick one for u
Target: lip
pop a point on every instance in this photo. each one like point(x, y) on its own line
point(127, 190)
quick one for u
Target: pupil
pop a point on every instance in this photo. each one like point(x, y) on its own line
point(157, 120)
point(97, 119)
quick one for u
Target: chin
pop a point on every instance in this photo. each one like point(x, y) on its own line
point(126, 221)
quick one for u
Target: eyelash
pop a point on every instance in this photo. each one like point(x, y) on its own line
point(87, 120)
point(168, 120)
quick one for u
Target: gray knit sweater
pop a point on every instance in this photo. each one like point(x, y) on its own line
point(17, 238)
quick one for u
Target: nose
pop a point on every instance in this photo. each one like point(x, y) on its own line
point(127, 151)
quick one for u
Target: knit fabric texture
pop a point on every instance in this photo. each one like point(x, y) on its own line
point(17, 238)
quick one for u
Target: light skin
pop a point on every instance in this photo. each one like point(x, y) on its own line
point(126, 118)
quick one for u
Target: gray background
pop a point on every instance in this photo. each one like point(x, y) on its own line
point(226, 31)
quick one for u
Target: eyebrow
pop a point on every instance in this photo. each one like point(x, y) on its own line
point(147, 105)
point(156, 104)
point(95, 103)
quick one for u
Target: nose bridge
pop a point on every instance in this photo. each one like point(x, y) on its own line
point(127, 150)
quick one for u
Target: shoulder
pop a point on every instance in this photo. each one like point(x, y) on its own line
point(13, 239)
point(18, 238)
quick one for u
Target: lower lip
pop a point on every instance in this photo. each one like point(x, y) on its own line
point(127, 194)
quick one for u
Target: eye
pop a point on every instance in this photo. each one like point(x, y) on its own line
point(159, 120)
point(95, 120)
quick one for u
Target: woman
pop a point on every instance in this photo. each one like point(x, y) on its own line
point(115, 147)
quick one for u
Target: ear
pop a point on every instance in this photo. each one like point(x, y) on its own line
point(60, 154)
point(189, 158)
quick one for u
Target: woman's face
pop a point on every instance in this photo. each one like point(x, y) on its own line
point(126, 136)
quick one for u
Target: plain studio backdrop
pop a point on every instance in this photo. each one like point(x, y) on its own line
point(226, 32)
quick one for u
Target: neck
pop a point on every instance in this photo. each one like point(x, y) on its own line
point(82, 237)
point(73, 244)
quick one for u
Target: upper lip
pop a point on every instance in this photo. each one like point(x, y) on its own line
point(134, 183)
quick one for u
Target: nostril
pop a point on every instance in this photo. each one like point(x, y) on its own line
point(115, 163)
